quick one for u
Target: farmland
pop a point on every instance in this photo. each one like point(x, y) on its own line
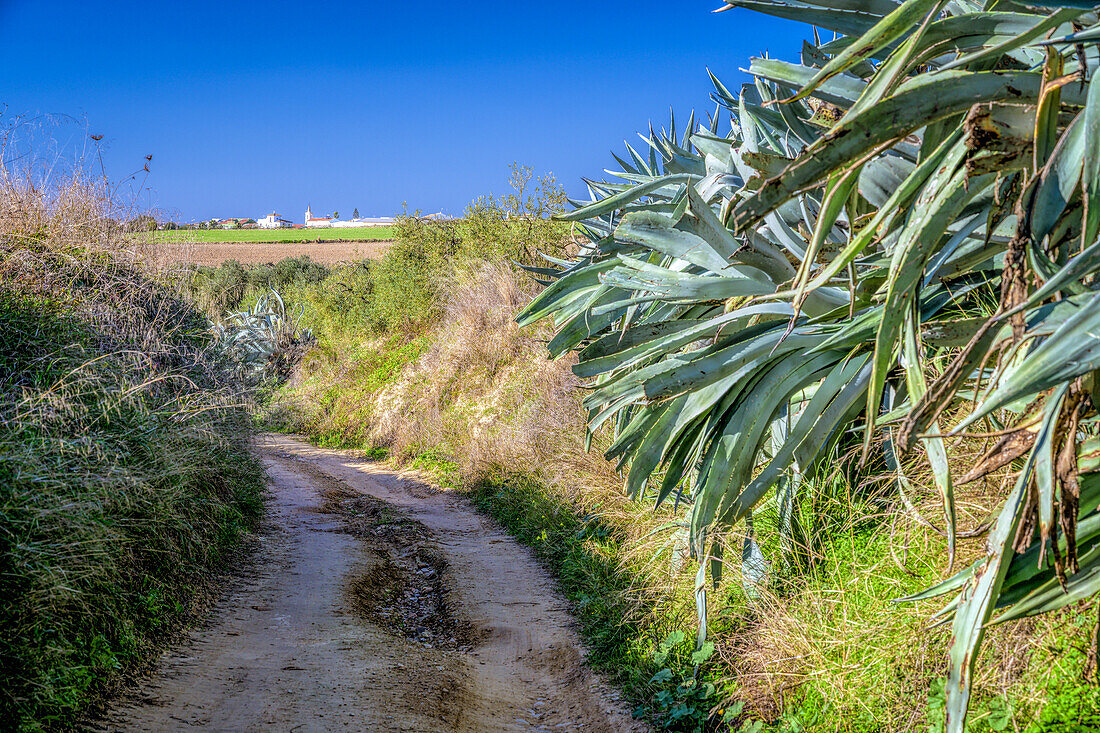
point(359, 234)
point(252, 253)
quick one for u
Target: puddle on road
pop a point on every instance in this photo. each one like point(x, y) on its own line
point(404, 590)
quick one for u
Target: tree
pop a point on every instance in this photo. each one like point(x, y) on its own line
point(355, 214)
point(142, 223)
point(336, 215)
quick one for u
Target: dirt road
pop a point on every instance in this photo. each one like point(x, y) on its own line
point(376, 603)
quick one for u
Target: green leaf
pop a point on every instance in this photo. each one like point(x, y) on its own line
point(977, 599)
point(919, 102)
point(703, 653)
point(891, 27)
point(657, 233)
point(1072, 350)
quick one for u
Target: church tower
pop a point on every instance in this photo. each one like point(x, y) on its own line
point(309, 214)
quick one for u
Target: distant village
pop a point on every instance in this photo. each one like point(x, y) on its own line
point(275, 220)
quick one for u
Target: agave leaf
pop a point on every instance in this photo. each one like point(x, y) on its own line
point(840, 390)
point(724, 470)
point(937, 453)
point(565, 290)
point(1072, 350)
point(612, 352)
point(842, 89)
point(889, 212)
point(836, 196)
point(613, 203)
point(945, 195)
point(1091, 163)
point(710, 366)
point(897, 23)
point(1039, 26)
point(1058, 180)
point(656, 232)
point(916, 104)
point(1077, 267)
point(853, 20)
point(977, 599)
point(1051, 595)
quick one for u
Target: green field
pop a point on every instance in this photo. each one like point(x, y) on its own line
point(273, 235)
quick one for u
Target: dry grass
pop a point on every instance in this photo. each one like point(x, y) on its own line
point(485, 385)
point(485, 393)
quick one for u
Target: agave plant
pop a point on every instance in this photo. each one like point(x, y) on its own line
point(750, 292)
point(262, 341)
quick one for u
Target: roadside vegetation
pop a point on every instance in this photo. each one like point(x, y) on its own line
point(817, 446)
point(126, 474)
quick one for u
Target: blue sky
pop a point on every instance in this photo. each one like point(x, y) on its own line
point(247, 107)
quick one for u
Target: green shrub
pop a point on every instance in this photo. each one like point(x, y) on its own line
point(519, 226)
point(406, 281)
point(230, 285)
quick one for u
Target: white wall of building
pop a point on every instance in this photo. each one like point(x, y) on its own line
point(382, 221)
point(273, 221)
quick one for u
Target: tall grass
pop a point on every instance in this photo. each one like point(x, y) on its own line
point(125, 469)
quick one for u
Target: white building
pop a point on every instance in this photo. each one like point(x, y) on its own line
point(317, 221)
point(365, 221)
point(359, 221)
point(273, 221)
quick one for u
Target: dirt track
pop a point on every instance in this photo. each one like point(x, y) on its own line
point(376, 603)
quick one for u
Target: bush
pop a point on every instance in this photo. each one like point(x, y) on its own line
point(407, 281)
point(411, 280)
point(230, 285)
point(519, 226)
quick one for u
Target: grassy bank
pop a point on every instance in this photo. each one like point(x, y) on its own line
point(126, 475)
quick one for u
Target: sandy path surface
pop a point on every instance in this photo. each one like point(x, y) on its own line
point(376, 603)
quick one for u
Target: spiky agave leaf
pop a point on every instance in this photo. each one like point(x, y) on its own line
point(263, 341)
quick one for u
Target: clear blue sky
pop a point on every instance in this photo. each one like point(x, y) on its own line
point(249, 106)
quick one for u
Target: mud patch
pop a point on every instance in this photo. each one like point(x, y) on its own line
point(404, 590)
point(410, 602)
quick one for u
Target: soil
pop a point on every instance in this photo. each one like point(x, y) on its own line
point(376, 602)
point(327, 252)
